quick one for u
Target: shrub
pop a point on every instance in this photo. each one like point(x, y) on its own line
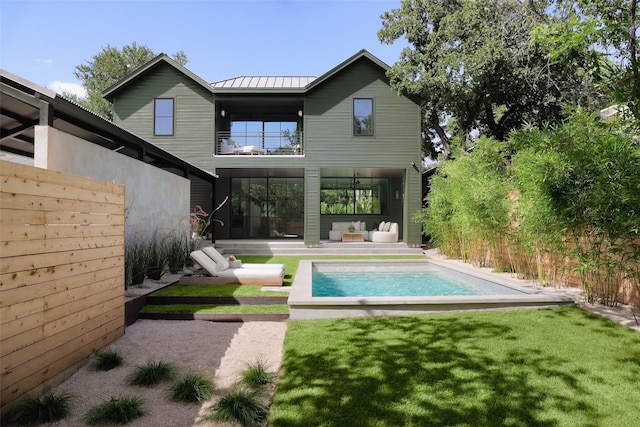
point(105, 360)
point(152, 373)
point(467, 212)
point(48, 408)
point(192, 388)
point(118, 411)
point(242, 406)
point(580, 180)
point(256, 375)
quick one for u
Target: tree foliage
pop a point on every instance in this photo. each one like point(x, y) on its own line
point(107, 68)
point(476, 68)
point(606, 33)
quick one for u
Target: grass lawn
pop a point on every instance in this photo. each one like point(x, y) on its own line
point(217, 291)
point(544, 367)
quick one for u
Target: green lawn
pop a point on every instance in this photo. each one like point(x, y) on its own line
point(217, 291)
point(544, 367)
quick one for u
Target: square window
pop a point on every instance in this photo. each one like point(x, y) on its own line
point(163, 116)
point(363, 116)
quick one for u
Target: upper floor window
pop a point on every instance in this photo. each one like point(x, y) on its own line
point(163, 116)
point(363, 116)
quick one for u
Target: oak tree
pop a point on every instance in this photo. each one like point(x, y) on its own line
point(107, 68)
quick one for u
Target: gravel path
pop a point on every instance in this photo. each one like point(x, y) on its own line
point(219, 350)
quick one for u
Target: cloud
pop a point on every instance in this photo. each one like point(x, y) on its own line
point(62, 87)
point(45, 61)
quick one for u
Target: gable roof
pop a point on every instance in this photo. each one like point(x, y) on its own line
point(26, 105)
point(161, 59)
point(271, 84)
point(338, 68)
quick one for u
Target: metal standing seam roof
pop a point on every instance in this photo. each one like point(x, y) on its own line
point(264, 82)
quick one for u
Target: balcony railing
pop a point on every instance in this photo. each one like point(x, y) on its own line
point(259, 143)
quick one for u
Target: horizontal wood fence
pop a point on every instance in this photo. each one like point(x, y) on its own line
point(557, 270)
point(61, 275)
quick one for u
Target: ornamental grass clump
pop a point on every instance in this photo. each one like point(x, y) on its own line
point(48, 408)
point(152, 373)
point(175, 245)
point(241, 405)
point(105, 360)
point(192, 388)
point(122, 410)
point(256, 375)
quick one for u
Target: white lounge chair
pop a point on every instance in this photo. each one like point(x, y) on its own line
point(247, 274)
point(223, 263)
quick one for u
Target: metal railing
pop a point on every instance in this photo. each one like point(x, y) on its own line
point(259, 143)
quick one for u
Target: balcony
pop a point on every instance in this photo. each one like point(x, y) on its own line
point(259, 143)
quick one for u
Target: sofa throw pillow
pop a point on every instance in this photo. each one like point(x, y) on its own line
point(381, 226)
point(387, 226)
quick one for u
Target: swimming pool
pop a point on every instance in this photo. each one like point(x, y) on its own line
point(381, 287)
point(423, 279)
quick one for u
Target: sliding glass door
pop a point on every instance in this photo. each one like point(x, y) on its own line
point(267, 207)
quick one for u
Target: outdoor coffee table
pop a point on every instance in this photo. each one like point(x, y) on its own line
point(353, 236)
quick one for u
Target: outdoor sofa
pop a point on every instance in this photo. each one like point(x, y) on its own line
point(387, 232)
point(216, 269)
point(337, 228)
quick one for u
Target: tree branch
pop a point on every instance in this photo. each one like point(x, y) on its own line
point(444, 139)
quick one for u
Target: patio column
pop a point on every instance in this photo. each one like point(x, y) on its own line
point(312, 207)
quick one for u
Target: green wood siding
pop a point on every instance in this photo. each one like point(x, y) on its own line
point(312, 206)
point(328, 137)
point(193, 138)
point(328, 126)
point(412, 231)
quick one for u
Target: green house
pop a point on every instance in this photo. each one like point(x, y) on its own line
point(294, 154)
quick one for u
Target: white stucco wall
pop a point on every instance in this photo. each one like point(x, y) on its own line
point(155, 199)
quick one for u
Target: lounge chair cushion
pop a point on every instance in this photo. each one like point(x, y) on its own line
point(266, 276)
point(216, 256)
point(204, 262)
point(221, 262)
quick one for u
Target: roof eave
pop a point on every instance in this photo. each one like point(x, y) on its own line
point(162, 58)
point(338, 68)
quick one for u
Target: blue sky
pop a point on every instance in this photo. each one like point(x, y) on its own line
point(43, 41)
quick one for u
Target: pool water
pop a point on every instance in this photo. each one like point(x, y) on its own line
point(401, 283)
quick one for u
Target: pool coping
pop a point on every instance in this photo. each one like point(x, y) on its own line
point(302, 305)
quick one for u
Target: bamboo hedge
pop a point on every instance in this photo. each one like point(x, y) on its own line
point(544, 202)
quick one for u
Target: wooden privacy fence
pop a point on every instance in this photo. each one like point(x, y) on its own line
point(61, 275)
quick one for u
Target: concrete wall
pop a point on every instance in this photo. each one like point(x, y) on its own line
point(154, 198)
